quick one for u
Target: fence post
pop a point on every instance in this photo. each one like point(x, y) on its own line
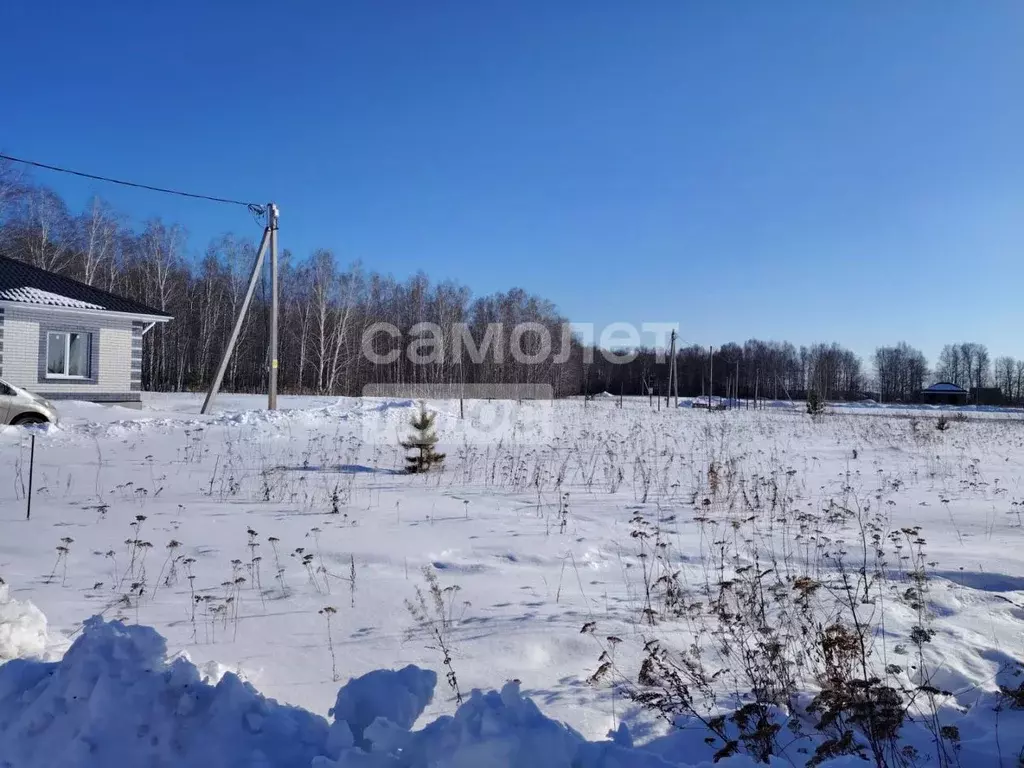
point(31, 466)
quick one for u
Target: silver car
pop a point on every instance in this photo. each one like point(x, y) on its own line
point(19, 406)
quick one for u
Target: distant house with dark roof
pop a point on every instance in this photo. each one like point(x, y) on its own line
point(66, 340)
point(944, 393)
point(987, 396)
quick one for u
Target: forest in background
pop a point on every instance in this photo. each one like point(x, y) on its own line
point(327, 305)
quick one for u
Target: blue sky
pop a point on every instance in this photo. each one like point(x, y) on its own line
point(794, 170)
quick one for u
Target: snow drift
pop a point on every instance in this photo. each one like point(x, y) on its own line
point(23, 630)
point(115, 699)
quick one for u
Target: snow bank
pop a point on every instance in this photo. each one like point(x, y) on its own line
point(22, 628)
point(115, 699)
point(400, 697)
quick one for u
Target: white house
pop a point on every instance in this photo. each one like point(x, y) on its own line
point(66, 340)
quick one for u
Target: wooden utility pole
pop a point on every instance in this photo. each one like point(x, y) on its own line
point(736, 384)
point(672, 383)
point(711, 376)
point(462, 388)
point(583, 374)
point(675, 373)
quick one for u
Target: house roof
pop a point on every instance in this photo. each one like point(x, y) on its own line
point(946, 388)
point(25, 284)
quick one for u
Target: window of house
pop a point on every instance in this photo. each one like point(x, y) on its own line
point(67, 355)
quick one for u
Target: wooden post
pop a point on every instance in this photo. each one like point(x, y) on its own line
point(675, 372)
point(31, 466)
point(672, 371)
point(586, 374)
point(711, 377)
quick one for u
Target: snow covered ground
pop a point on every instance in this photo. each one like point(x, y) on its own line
point(564, 536)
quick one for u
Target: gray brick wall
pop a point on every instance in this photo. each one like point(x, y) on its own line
point(111, 364)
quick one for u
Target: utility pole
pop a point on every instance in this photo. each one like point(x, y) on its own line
point(269, 239)
point(585, 374)
point(675, 373)
point(711, 376)
point(272, 383)
point(672, 385)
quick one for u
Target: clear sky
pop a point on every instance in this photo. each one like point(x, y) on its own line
point(849, 171)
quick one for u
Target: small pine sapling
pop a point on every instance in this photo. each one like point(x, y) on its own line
point(815, 406)
point(422, 442)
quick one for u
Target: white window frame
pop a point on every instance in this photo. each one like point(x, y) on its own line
point(67, 355)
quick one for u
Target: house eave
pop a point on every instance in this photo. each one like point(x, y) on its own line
point(88, 312)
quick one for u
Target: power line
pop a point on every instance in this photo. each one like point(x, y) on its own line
point(255, 208)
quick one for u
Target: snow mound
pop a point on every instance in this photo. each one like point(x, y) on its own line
point(23, 631)
point(400, 697)
point(115, 699)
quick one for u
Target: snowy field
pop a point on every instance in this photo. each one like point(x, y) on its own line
point(564, 538)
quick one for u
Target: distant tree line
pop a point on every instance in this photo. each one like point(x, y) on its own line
point(767, 369)
point(326, 308)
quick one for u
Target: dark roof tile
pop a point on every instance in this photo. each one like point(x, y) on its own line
point(23, 283)
point(945, 387)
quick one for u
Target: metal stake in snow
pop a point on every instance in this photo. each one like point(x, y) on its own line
point(269, 238)
point(31, 466)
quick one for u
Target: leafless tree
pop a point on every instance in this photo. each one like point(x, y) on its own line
point(1006, 376)
point(326, 307)
point(900, 372)
point(966, 364)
